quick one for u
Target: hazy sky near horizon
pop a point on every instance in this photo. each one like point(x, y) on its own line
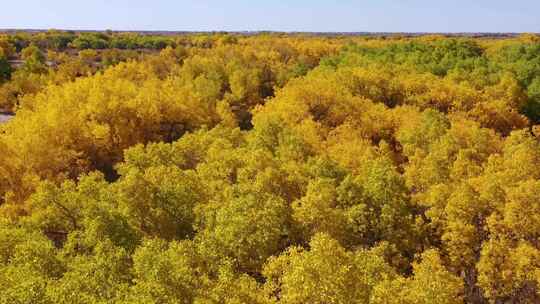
point(276, 15)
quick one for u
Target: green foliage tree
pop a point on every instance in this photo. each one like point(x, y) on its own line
point(5, 69)
point(326, 273)
point(34, 59)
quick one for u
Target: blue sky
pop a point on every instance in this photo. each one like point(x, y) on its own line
point(293, 15)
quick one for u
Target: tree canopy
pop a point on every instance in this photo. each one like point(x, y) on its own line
point(270, 168)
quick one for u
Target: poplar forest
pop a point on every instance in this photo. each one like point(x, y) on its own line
point(269, 168)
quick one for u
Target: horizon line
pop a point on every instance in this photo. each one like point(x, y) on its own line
point(4, 30)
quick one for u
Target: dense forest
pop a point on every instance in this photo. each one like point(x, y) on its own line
point(271, 168)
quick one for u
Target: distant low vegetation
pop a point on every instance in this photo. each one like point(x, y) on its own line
point(270, 168)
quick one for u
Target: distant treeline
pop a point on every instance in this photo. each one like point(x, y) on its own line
point(61, 40)
point(174, 33)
